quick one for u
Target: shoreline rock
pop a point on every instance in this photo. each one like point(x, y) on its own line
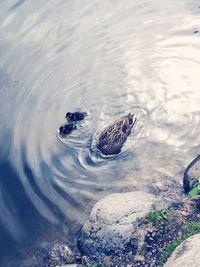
point(187, 254)
point(113, 223)
point(191, 174)
point(134, 229)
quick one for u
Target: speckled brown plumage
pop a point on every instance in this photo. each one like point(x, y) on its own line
point(112, 138)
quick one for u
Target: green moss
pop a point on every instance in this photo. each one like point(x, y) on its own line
point(157, 216)
point(195, 191)
point(170, 248)
point(192, 228)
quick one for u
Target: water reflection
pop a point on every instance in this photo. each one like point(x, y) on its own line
point(105, 58)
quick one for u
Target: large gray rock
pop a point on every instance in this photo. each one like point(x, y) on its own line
point(187, 254)
point(113, 222)
point(191, 174)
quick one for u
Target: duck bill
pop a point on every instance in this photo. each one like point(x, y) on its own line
point(134, 118)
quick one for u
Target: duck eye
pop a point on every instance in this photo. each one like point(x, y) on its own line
point(130, 121)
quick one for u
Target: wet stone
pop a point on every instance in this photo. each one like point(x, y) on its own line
point(113, 223)
point(57, 253)
point(187, 254)
point(191, 174)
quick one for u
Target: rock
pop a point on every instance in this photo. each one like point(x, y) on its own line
point(57, 253)
point(139, 258)
point(187, 254)
point(113, 223)
point(191, 174)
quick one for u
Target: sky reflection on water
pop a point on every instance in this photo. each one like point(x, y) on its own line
point(106, 58)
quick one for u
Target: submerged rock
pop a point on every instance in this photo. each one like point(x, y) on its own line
point(187, 254)
point(113, 223)
point(191, 174)
point(57, 253)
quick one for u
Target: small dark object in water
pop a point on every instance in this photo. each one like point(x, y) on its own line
point(67, 129)
point(112, 138)
point(75, 116)
point(196, 31)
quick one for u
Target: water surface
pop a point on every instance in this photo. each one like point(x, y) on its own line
point(107, 58)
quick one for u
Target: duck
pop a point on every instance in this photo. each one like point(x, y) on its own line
point(112, 138)
point(67, 129)
point(75, 116)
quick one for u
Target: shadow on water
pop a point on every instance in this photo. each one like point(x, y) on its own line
point(14, 205)
point(16, 5)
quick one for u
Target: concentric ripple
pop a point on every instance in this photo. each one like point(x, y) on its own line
point(107, 58)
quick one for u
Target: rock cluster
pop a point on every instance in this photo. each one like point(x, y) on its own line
point(136, 228)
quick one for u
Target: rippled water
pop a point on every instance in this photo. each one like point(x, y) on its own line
point(107, 58)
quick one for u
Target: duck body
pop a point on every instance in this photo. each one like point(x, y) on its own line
point(70, 126)
point(75, 116)
point(112, 138)
point(67, 129)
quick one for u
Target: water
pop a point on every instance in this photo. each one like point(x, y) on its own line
point(107, 58)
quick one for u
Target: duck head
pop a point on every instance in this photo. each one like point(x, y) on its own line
point(128, 122)
point(131, 119)
point(68, 115)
